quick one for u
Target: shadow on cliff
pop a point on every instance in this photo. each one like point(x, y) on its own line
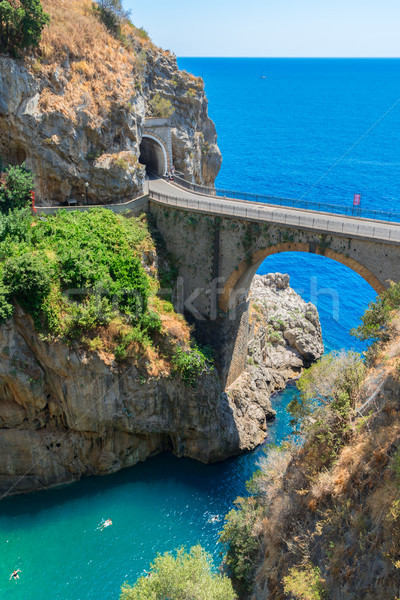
point(225, 478)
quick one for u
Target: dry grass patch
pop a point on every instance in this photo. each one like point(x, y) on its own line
point(96, 69)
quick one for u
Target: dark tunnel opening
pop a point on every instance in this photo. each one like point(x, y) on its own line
point(153, 157)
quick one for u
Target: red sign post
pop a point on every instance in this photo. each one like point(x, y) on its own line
point(357, 203)
point(33, 201)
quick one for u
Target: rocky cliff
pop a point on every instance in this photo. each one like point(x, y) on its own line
point(66, 413)
point(323, 519)
point(285, 337)
point(75, 111)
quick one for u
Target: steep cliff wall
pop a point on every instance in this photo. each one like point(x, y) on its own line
point(285, 337)
point(66, 413)
point(75, 111)
point(324, 520)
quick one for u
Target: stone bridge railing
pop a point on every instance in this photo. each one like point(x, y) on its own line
point(287, 216)
point(336, 209)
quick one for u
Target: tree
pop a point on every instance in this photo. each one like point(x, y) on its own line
point(16, 184)
point(111, 14)
point(21, 25)
point(376, 322)
point(186, 575)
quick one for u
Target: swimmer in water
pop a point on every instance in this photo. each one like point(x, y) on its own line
point(214, 519)
point(106, 524)
point(14, 575)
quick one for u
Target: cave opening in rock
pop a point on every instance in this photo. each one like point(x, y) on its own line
point(153, 156)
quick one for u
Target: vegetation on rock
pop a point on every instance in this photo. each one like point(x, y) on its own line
point(376, 323)
point(21, 25)
point(16, 184)
point(161, 107)
point(186, 575)
point(111, 14)
point(323, 517)
point(90, 279)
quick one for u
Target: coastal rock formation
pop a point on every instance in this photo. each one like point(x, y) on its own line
point(330, 518)
point(285, 337)
point(66, 413)
point(75, 112)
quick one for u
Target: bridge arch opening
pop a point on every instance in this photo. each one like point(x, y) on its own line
point(237, 286)
point(153, 155)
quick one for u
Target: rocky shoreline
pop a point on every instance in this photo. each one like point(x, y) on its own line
point(285, 337)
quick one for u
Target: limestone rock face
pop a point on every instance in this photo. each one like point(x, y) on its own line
point(194, 140)
point(285, 337)
point(66, 413)
point(50, 121)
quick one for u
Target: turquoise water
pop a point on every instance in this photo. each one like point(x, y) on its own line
point(277, 135)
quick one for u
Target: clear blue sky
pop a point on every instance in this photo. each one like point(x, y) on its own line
point(272, 27)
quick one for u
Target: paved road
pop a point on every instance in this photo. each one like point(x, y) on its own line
point(168, 193)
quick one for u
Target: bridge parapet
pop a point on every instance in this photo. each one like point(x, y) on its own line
point(297, 203)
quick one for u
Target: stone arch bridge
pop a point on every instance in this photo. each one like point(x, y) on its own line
point(219, 244)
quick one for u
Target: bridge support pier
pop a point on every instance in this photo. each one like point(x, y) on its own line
point(228, 336)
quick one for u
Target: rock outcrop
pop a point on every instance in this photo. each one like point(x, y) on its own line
point(75, 112)
point(285, 337)
point(65, 414)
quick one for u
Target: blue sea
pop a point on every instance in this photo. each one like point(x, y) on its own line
point(314, 128)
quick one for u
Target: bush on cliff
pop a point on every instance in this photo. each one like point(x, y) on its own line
point(328, 391)
point(186, 575)
point(376, 323)
point(241, 540)
point(189, 364)
point(91, 279)
point(28, 279)
point(16, 183)
point(161, 107)
point(21, 25)
point(111, 14)
point(75, 271)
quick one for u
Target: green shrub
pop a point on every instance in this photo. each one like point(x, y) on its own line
point(15, 228)
point(21, 25)
point(16, 184)
point(28, 278)
point(6, 309)
point(94, 311)
point(186, 576)
point(325, 405)
point(111, 14)
point(333, 380)
point(142, 33)
point(133, 344)
point(376, 320)
point(189, 364)
point(151, 322)
point(161, 107)
point(241, 539)
point(305, 583)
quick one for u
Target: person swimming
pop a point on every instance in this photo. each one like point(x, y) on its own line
point(214, 519)
point(14, 575)
point(106, 523)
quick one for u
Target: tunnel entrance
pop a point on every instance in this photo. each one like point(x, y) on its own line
point(153, 156)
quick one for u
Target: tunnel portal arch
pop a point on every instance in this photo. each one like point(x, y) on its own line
point(153, 155)
point(238, 284)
